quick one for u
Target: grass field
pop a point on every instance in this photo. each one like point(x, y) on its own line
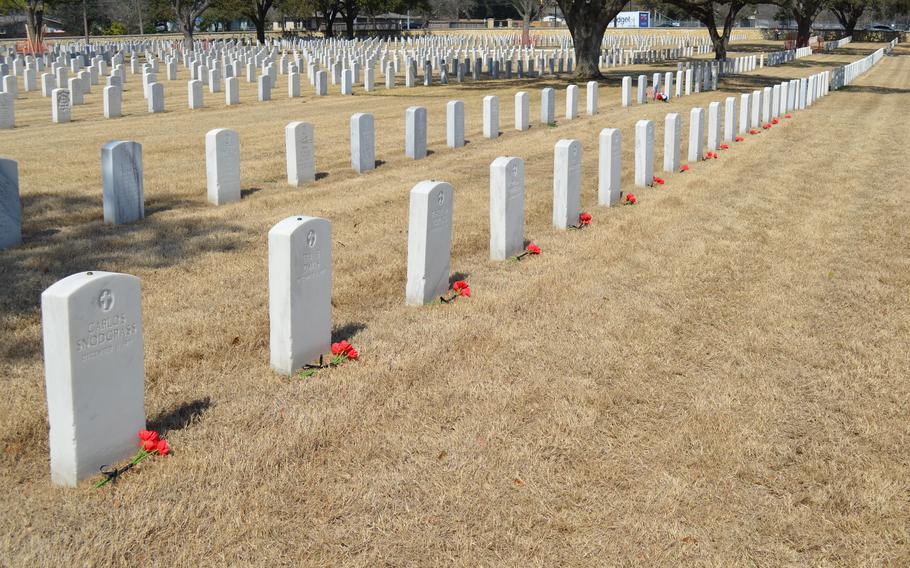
point(716, 376)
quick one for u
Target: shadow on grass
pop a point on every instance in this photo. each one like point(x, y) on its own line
point(49, 254)
point(347, 331)
point(180, 417)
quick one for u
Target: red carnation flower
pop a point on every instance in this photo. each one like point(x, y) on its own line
point(753, 131)
point(684, 168)
point(462, 288)
point(658, 180)
point(788, 116)
point(584, 219)
point(533, 249)
point(739, 138)
point(162, 447)
point(340, 347)
point(148, 435)
point(774, 121)
point(630, 199)
point(724, 146)
point(352, 353)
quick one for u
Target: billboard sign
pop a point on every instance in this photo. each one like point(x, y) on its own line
point(632, 20)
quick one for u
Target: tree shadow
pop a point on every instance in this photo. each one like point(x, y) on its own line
point(321, 175)
point(49, 254)
point(180, 417)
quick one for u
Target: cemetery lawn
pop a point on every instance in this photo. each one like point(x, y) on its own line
point(715, 376)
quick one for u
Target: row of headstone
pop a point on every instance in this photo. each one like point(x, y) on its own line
point(92, 321)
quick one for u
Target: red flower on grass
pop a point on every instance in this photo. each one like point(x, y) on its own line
point(766, 126)
point(753, 131)
point(461, 286)
point(739, 138)
point(150, 444)
point(788, 116)
point(684, 168)
point(659, 181)
point(533, 249)
point(344, 349)
point(630, 199)
point(775, 121)
point(584, 219)
point(724, 146)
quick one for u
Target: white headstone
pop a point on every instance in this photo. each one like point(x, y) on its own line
point(455, 124)
point(507, 207)
point(415, 144)
point(156, 97)
point(644, 153)
point(429, 241)
point(231, 91)
point(571, 102)
point(755, 101)
point(609, 167)
point(194, 94)
point(301, 153)
point(122, 182)
point(522, 111)
point(672, 134)
point(222, 165)
point(265, 88)
point(696, 134)
point(744, 112)
point(591, 105)
point(491, 116)
point(112, 102)
point(729, 119)
point(7, 111)
point(10, 208)
point(714, 126)
point(300, 292)
point(547, 106)
point(626, 91)
point(566, 183)
point(363, 142)
point(94, 372)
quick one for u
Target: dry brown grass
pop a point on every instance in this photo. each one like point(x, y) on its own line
point(716, 376)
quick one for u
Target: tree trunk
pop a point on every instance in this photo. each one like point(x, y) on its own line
point(186, 26)
point(349, 25)
point(260, 31)
point(587, 40)
point(803, 30)
point(720, 43)
point(526, 28)
point(329, 24)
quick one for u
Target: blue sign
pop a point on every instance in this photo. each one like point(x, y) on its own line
point(644, 19)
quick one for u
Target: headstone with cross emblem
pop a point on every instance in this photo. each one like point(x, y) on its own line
point(429, 241)
point(121, 172)
point(507, 207)
point(94, 371)
point(300, 292)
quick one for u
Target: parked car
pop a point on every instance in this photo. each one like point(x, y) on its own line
point(882, 28)
point(669, 25)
